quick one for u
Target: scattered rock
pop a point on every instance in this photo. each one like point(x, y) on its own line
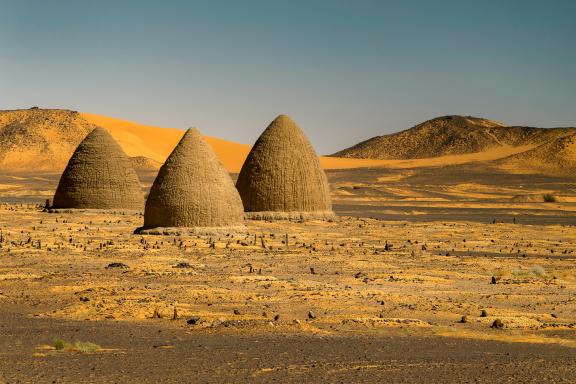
point(193, 320)
point(497, 324)
point(276, 317)
point(117, 265)
point(183, 264)
point(311, 315)
point(237, 312)
point(493, 280)
point(84, 299)
point(464, 319)
point(484, 313)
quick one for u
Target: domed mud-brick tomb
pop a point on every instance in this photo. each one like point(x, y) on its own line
point(99, 175)
point(193, 193)
point(281, 177)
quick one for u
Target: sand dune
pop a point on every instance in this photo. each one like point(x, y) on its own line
point(156, 143)
point(43, 140)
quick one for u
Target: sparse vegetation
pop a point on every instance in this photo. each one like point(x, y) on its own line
point(78, 346)
point(538, 270)
point(59, 344)
point(86, 347)
point(532, 271)
point(549, 198)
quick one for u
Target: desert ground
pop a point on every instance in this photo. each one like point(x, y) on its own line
point(449, 273)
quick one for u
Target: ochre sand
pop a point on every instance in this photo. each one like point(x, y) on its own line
point(424, 281)
point(156, 143)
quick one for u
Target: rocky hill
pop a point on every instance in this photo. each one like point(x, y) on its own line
point(452, 135)
point(556, 157)
point(39, 139)
point(44, 139)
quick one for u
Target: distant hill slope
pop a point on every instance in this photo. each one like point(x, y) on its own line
point(554, 157)
point(451, 135)
point(39, 139)
point(44, 139)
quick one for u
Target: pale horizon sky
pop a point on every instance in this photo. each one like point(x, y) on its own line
point(344, 70)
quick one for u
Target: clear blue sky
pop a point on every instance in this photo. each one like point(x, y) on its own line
point(344, 70)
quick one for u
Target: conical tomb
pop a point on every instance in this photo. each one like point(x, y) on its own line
point(192, 192)
point(282, 178)
point(99, 175)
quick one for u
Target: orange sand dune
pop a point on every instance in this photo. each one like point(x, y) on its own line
point(157, 142)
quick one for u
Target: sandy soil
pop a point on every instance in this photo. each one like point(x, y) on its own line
point(339, 282)
point(363, 298)
point(459, 192)
point(131, 352)
point(464, 192)
point(426, 278)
